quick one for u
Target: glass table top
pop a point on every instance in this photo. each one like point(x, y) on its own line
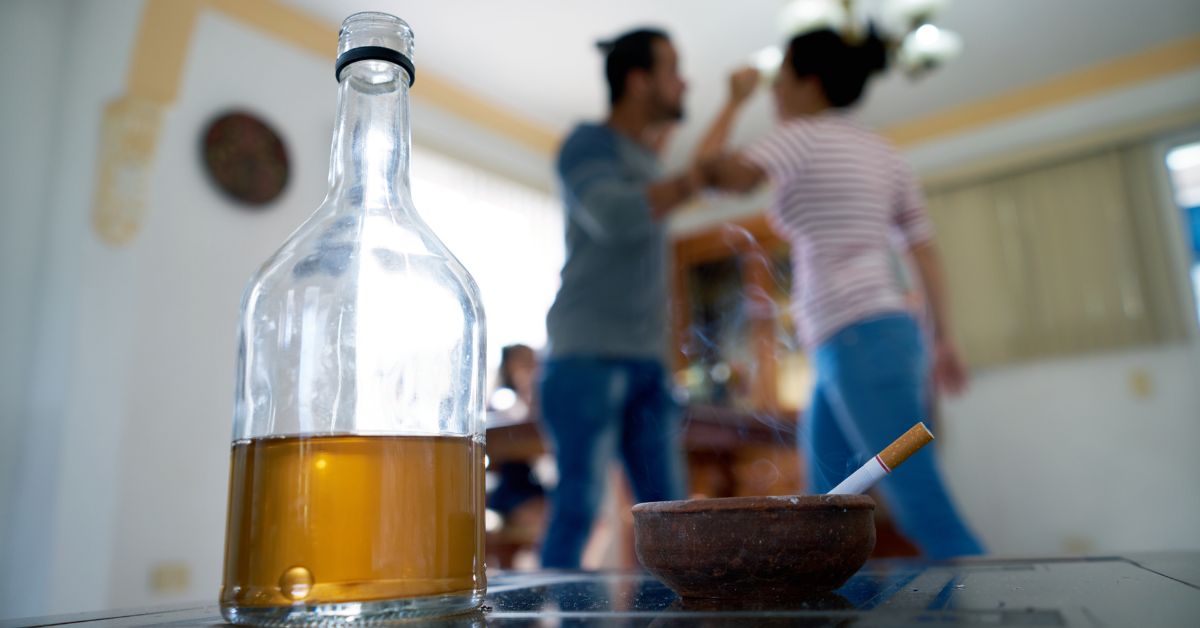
point(1159, 589)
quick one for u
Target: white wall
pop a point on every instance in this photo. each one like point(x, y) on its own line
point(1075, 456)
point(1125, 106)
point(27, 129)
point(59, 510)
point(191, 264)
point(117, 395)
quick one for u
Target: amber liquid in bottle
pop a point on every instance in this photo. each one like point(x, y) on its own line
point(333, 519)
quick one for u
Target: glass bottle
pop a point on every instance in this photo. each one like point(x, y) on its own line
point(356, 484)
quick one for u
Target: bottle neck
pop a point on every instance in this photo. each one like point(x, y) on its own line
point(372, 139)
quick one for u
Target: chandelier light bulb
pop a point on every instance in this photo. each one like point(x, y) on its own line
point(928, 47)
point(767, 62)
point(804, 16)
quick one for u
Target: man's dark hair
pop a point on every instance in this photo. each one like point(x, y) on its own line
point(631, 51)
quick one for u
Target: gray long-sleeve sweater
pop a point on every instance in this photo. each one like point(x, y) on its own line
point(613, 298)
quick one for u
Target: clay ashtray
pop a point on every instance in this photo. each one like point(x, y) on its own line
point(755, 547)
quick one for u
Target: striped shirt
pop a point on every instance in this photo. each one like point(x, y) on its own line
point(845, 201)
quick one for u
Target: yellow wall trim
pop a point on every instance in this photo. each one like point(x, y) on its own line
point(1176, 56)
point(161, 50)
point(1036, 156)
point(285, 23)
point(164, 39)
point(320, 38)
point(131, 122)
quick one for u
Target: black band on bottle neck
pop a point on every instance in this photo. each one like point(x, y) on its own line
point(375, 52)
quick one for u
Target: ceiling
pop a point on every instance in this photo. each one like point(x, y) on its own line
point(537, 58)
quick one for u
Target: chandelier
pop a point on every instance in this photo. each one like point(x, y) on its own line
point(916, 44)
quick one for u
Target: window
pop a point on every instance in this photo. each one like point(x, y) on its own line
point(1064, 258)
point(1183, 166)
point(509, 236)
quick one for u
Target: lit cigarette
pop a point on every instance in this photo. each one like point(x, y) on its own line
point(867, 475)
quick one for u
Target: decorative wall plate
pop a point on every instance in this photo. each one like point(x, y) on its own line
point(245, 158)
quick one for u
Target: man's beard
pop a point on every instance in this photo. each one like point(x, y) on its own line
point(668, 112)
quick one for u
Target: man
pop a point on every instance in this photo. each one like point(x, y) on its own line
point(604, 387)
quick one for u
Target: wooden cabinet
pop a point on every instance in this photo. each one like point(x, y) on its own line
point(735, 340)
point(737, 357)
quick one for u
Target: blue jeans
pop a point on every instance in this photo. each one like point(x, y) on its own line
point(872, 385)
point(595, 409)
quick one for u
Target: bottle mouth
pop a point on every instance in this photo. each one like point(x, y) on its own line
point(378, 36)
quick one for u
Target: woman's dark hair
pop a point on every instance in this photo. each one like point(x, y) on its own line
point(841, 67)
point(631, 51)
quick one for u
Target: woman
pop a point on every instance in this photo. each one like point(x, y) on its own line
point(845, 200)
point(514, 401)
